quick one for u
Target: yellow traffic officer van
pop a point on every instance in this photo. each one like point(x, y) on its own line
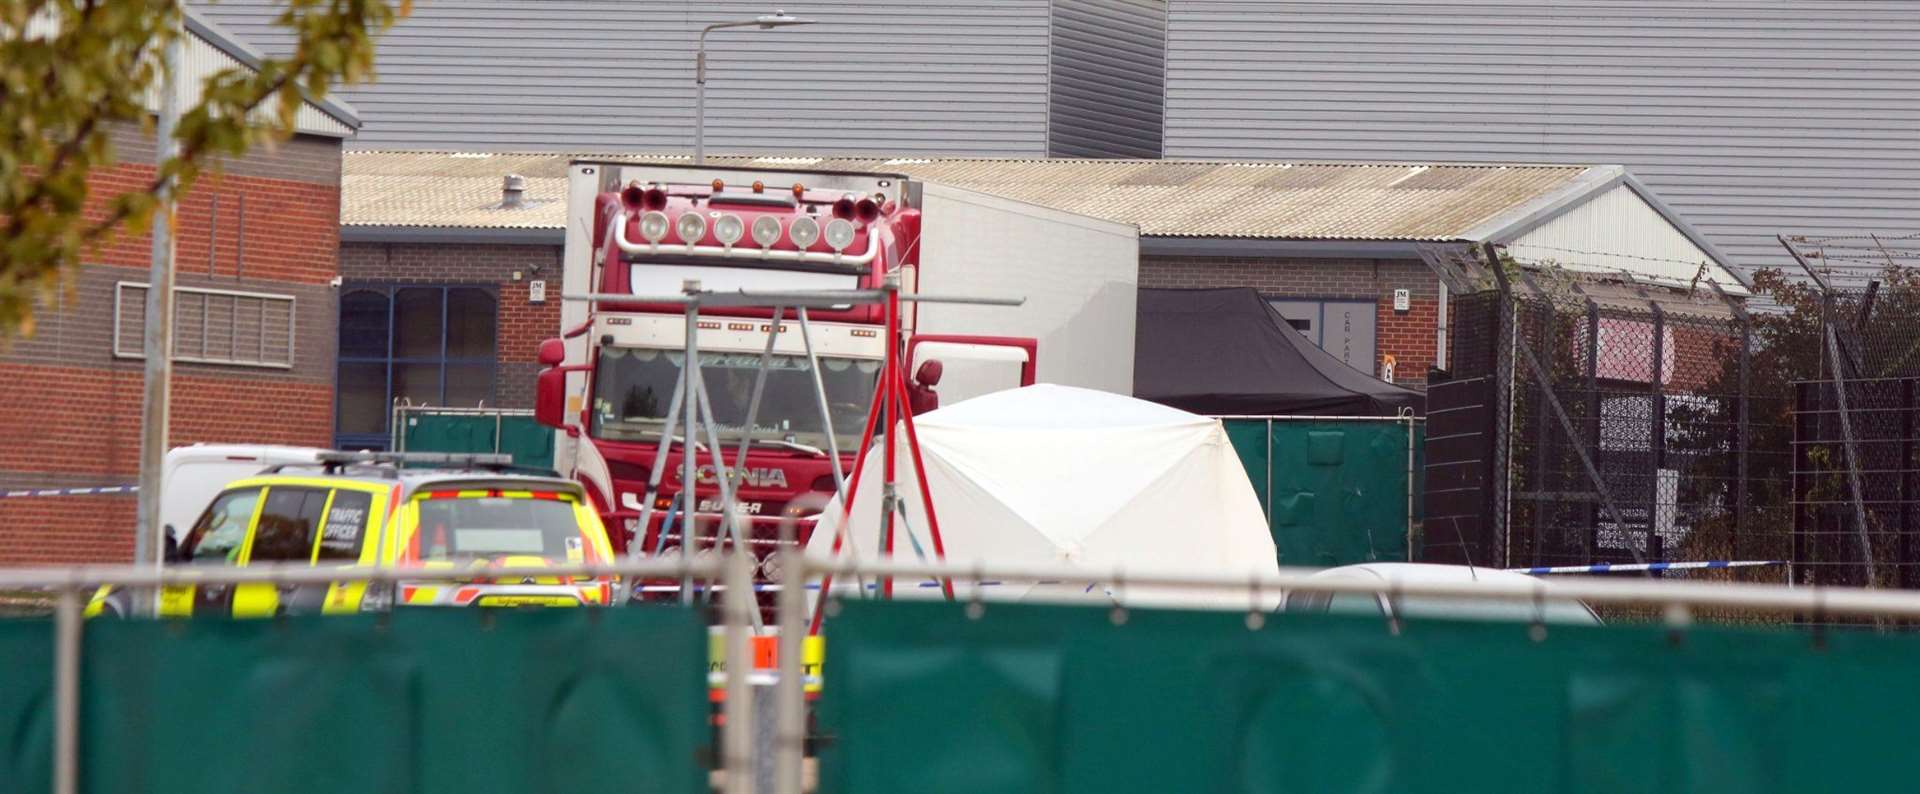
point(365, 509)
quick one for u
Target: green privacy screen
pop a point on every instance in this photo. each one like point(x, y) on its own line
point(461, 702)
point(1039, 699)
point(527, 441)
point(1335, 492)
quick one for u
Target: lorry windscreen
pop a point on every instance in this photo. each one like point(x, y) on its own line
point(634, 387)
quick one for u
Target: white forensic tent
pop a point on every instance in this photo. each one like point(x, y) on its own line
point(1056, 475)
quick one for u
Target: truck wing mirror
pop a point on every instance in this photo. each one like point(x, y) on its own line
point(552, 352)
point(550, 397)
point(171, 553)
point(921, 397)
point(929, 372)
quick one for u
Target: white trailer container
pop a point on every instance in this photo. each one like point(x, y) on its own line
point(1079, 276)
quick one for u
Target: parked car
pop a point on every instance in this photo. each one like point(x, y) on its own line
point(356, 510)
point(1422, 606)
point(196, 473)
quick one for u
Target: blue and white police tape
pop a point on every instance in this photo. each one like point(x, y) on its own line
point(1633, 567)
point(100, 490)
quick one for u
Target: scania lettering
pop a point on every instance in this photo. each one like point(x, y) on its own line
point(643, 230)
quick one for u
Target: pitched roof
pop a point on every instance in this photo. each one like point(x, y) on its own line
point(1169, 198)
point(344, 120)
point(1182, 207)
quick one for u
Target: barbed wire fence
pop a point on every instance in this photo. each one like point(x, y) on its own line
point(1857, 414)
point(1632, 420)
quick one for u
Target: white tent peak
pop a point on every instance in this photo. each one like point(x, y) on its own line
point(1059, 475)
point(1048, 406)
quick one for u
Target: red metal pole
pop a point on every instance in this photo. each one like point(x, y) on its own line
point(890, 373)
point(880, 390)
point(920, 472)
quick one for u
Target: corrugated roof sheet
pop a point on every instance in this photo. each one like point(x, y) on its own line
point(1169, 198)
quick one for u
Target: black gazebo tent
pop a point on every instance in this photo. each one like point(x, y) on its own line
point(1227, 351)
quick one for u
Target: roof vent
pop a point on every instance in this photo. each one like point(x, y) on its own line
point(513, 193)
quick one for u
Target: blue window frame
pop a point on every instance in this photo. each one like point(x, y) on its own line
point(411, 344)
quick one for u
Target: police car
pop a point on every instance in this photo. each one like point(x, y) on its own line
point(365, 510)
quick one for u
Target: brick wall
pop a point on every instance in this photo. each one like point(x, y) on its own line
point(1407, 336)
point(70, 409)
point(522, 324)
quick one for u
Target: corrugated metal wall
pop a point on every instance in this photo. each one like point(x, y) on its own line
point(1108, 78)
point(1751, 118)
point(893, 77)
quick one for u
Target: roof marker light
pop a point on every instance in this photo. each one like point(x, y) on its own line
point(719, 186)
point(766, 231)
point(653, 227)
point(804, 231)
point(839, 234)
point(799, 190)
point(691, 227)
point(728, 229)
point(759, 187)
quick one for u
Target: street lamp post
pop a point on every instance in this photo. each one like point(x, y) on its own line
point(778, 19)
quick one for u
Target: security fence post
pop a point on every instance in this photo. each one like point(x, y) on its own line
point(790, 733)
point(737, 736)
point(66, 690)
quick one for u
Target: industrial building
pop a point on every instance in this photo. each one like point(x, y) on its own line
point(1001, 78)
point(1335, 247)
point(253, 328)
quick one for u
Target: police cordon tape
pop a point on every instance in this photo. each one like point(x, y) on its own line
point(1604, 567)
point(98, 490)
point(774, 588)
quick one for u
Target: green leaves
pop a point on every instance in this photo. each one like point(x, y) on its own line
point(73, 70)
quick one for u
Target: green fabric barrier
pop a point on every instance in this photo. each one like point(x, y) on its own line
point(1334, 491)
point(530, 443)
point(461, 702)
point(1060, 700)
point(26, 705)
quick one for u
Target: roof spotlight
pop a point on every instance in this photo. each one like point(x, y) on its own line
point(653, 227)
point(691, 227)
point(839, 234)
point(804, 232)
point(728, 229)
point(766, 231)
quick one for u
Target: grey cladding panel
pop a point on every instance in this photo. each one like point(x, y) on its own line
point(900, 77)
point(1108, 78)
point(1750, 117)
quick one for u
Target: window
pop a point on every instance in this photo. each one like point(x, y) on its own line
point(217, 537)
point(210, 326)
point(346, 525)
point(485, 528)
point(287, 523)
point(1344, 328)
point(635, 387)
point(1336, 603)
point(418, 345)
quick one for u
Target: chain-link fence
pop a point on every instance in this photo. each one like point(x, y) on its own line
point(1624, 422)
point(1640, 435)
point(1857, 412)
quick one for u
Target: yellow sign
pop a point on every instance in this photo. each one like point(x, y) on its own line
point(766, 658)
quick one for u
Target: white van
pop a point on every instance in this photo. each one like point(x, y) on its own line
point(195, 474)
